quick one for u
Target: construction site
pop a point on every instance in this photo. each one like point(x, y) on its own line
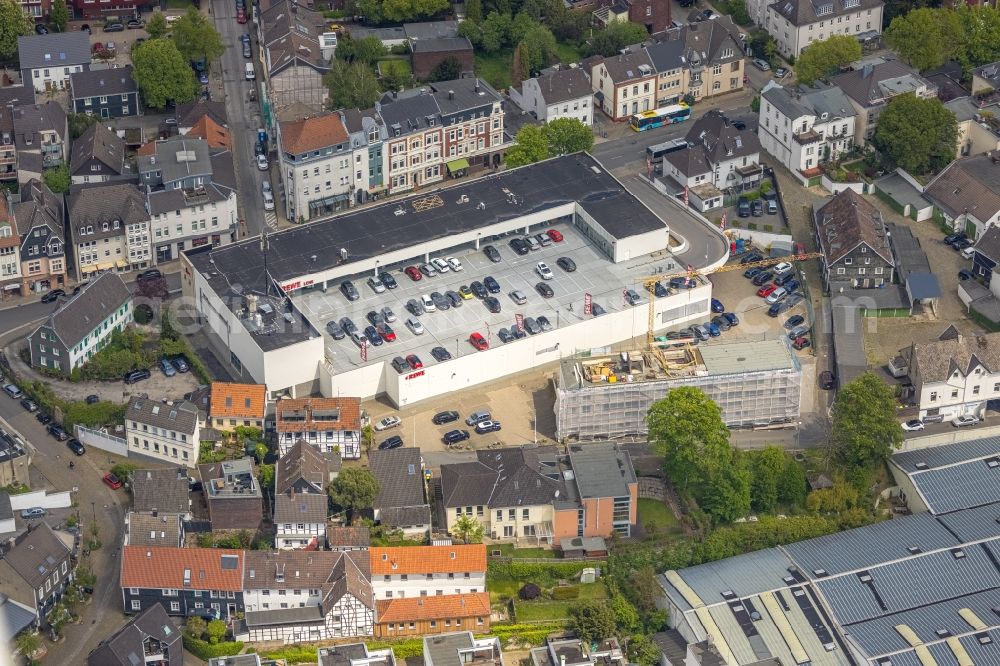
point(756, 384)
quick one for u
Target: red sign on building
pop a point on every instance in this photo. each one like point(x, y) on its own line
point(519, 318)
point(364, 350)
point(588, 304)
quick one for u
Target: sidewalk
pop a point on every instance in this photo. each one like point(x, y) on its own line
point(606, 129)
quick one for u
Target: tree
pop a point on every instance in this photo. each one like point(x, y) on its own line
point(767, 466)
point(792, 484)
point(260, 452)
point(927, 38)
point(367, 49)
point(352, 85)
point(28, 643)
point(216, 631)
point(626, 616)
point(468, 529)
point(593, 620)
point(354, 489)
point(393, 75)
point(78, 123)
point(763, 45)
point(616, 36)
point(865, 429)
point(14, 23)
point(448, 69)
point(59, 16)
point(124, 471)
point(982, 35)
point(738, 12)
point(530, 146)
point(537, 48)
point(267, 476)
point(529, 591)
point(474, 10)
point(686, 428)
point(567, 135)
point(156, 26)
point(723, 490)
point(195, 626)
point(643, 651)
point(919, 135)
point(162, 73)
point(196, 37)
point(495, 32)
point(57, 179)
point(820, 59)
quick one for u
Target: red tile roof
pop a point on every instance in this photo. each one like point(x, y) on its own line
point(215, 134)
point(237, 400)
point(428, 559)
point(302, 136)
point(433, 608)
point(349, 419)
point(164, 568)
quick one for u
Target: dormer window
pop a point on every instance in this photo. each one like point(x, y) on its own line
point(105, 226)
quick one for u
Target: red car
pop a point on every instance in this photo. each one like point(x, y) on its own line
point(801, 343)
point(414, 361)
point(386, 332)
point(112, 481)
point(556, 236)
point(241, 16)
point(479, 342)
point(766, 290)
point(413, 273)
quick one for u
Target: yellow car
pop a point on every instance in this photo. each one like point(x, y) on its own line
point(465, 292)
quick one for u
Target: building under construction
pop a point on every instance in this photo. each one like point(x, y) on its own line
point(755, 384)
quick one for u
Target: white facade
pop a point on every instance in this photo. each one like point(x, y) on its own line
point(531, 98)
point(192, 226)
point(500, 524)
point(163, 443)
point(800, 139)
point(348, 443)
point(53, 78)
point(96, 339)
point(347, 617)
point(404, 586)
point(289, 536)
point(330, 176)
point(126, 251)
point(960, 394)
point(792, 39)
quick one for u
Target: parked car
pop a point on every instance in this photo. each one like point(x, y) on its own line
point(428, 269)
point(167, 368)
point(334, 329)
point(386, 333)
point(388, 422)
point(751, 258)
point(33, 512)
point(455, 436)
point(414, 361)
point(566, 264)
point(632, 297)
point(487, 426)
point(951, 238)
point(247, 50)
point(29, 405)
point(492, 254)
point(964, 420)
point(544, 271)
point(793, 321)
point(413, 273)
point(751, 273)
point(444, 417)
point(136, 376)
point(376, 285)
point(492, 304)
point(757, 208)
point(479, 342)
point(743, 207)
point(731, 318)
point(801, 343)
point(519, 246)
point(112, 481)
point(555, 235)
point(52, 296)
point(440, 354)
point(374, 339)
point(415, 326)
point(491, 284)
point(518, 297)
point(43, 418)
point(454, 263)
point(400, 365)
point(12, 391)
point(466, 293)
point(440, 265)
point(505, 335)
point(761, 64)
point(780, 73)
point(479, 289)
point(717, 306)
point(393, 442)
point(532, 326)
point(767, 290)
point(114, 27)
point(76, 446)
point(827, 380)
point(388, 280)
point(912, 425)
point(544, 289)
point(440, 301)
point(965, 274)
point(761, 278)
point(262, 164)
point(721, 322)
point(349, 290)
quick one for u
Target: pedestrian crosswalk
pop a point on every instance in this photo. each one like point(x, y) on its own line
point(271, 219)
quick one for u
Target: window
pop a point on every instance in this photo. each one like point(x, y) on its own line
point(954, 393)
point(175, 606)
point(136, 605)
point(934, 395)
point(525, 514)
point(975, 390)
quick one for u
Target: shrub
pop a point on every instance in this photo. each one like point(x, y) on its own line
point(92, 416)
point(400, 49)
point(205, 650)
point(529, 592)
point(565, 592)
point(553, 571)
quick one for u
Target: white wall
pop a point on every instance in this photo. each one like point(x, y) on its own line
point(58, 75)
point(167, 445)
point(100, 440)
point(416, 583)
point(41, 498)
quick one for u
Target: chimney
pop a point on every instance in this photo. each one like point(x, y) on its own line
point(451, 94)
point(395, 94)
point(477, 84)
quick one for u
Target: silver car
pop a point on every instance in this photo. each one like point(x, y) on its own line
point(518, 297)
point(414, 325)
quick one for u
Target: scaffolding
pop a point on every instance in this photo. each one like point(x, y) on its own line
point(756, 384)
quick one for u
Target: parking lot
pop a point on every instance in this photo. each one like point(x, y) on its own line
point(451, 328)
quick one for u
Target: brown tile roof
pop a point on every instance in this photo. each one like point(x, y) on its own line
point(625, 67)
point(970, 185)
point(937, 361)
point(245, 401)
point(302, 136)
point(160, 567)
point(848, 220)
point(433, 608)
point(304, 462)
point(215, 134)
point(347, 537)
point(428, 559)
point(145, 529)
point(348, 414)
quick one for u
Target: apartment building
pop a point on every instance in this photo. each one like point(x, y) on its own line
point(109, 227)
point(105, 93)
point(624, 84)
point(233, 494)
point(795, 24)
point(191, 195)
point(296, 49)
point(427, 571)
point(367, 133)
point(954, 376)
point(300, 498)
point(401, 502)
point(82, 325)
point(8, 150)
point(39, 220)
point(803, 129)
point(855, 243)
point(41, 138)
point(234, 405)
point(35, 569)
point(327, 424)
point(47, 61)
point(10, 242)
point(317, 166)
point(872, 85)
point(163, 429)
point(556, 93)
point(98, 156)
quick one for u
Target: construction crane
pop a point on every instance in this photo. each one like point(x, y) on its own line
point(649, 281)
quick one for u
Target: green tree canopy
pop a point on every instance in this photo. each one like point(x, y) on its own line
point(530, 146)
point(195, 626)
point(738, 12)
point(57, 179)
point(865, 429)
point(447, 70)
point(919, 135)
point(982, 34)
point(820, 59)
point(163, 74)
point(927, 38)
point(763, 45)
point(79, 122)
point(216, 631)
point(686, 428)
point(367, 49)
point(593, 620)
point(59, 16)
point(474, 10)
point(14, 23)
point(792, 484)
point(352, 85)
point(156, 26)
point(616, 36)
point(196, 37)
point(468, 529)
point(567, 135)
point(354, 489)
point(399, 11)
point(767, 466)
point(537, 49)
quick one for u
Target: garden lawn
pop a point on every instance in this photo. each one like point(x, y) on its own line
point(508, 550)
point(402, 65)
point(569, 53)
point(659, 514)
point(496, 69)
point(541, 611)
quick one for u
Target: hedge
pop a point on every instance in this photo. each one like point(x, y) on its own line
point(565, 592)
point(93, 416)
point(526, 571)
point(205, 650)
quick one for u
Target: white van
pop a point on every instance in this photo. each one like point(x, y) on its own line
point(250, 73)
point(782, 268)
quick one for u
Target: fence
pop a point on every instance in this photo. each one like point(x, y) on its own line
point(102, 440)
point(951, 437)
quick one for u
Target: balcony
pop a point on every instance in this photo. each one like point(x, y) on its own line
point(196, 196)
point(810, 136)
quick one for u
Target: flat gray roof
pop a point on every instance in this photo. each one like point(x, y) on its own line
point(601, 470)
point(745, 357)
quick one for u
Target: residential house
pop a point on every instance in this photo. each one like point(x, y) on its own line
point(986, 255)
point(800, 129)
point(299, 596)
point(154, 529)
point(36, 8)
point(8, 149)
point(317, 166)
point(444, 127)
point(872, 85)
point(185, 581)
point(41, 137)
point(345, 538)
point(105, 93)
point(427, 54)
point(232, 405)
point(149, 638)
point(325, 423)
point(985, 79)
point(15, 617)
point(955, 376)
point(408, 33)
point(163, 429)
point(233, 495)
point(701, 60)
point(159, 491)
point(191, 195)
point(571, 651)
point(977, 131)
point(49, 60)
point(537, 494)
point(81, 326)
point(367, 133)
point(189, 114)
point(355, 654)
point(35, 569)
point(967, 194)
point(461, 648)
point(401, 502)
point(654, 15)
point(15, 459)
point(424, 615)
point(427, 571)
point(301, 478)
point(98, 156)
point(557, 93)
point(39, 219)
point(216, 134)
point(719, 158)
point(852, 236)
point(109, 227)
point(624, 84)
point(795, 24)
point(10, 243)
point(297, 49)
point(99, 9)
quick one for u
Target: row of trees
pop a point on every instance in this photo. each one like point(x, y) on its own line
point(929, 37)
point(561, 136)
